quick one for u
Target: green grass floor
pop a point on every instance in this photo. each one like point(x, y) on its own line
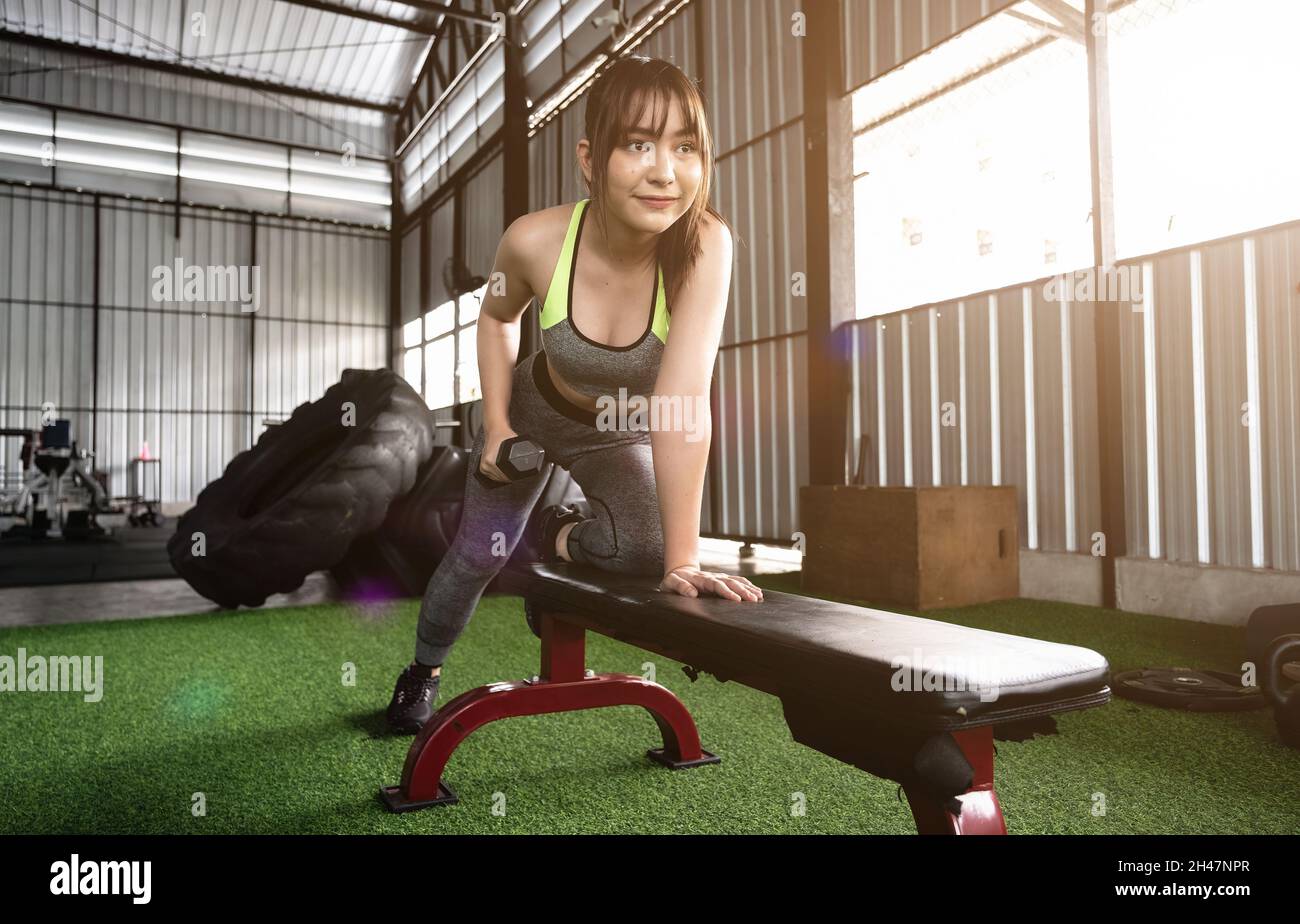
point(250, 709)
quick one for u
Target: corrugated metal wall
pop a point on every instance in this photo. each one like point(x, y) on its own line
point(439, 243)
point(955, 384)
point(325, 292)
point(1277, 281)
point(1215, 359)
point(754, 86)
point(193, 379)
point(881, 34)
point(572, 187)
point(1195, 489)
point(544, 160)
point(483, 202)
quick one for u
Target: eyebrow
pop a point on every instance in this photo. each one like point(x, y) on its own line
point(644, 130)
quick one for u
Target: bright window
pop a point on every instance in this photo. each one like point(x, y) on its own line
point(972, 164)
point(451, 350)
point(972, 172)
point(1205, 141)
point(439, 360)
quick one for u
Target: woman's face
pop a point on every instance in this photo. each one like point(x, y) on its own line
point(652, 181)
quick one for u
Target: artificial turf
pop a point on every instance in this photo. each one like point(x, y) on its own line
point(251, 709)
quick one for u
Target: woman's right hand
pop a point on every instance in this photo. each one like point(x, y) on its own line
point(492, 440)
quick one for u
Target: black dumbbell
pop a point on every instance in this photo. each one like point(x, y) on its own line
point(518, 458)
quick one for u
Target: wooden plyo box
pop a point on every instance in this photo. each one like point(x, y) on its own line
point(919, 548)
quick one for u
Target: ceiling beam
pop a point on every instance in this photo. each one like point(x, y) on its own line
point(452, 10)
point(423, 25)
point(1070, 19)
point(197, 73)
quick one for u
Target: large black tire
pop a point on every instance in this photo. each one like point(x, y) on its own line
point(398, 559)
point(296, 501)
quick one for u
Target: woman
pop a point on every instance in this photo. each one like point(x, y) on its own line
point(646, 160)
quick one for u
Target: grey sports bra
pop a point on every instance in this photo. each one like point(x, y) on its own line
point(591, 368)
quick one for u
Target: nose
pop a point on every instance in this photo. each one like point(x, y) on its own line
point(661, 165)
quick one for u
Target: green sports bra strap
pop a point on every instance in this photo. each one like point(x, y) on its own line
point(555, 308)
point(659, 325)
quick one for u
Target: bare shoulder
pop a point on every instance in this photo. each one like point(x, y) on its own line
point(715, 237)
point(535, 240)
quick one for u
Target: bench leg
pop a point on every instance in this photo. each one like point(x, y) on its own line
point(980, 811)
point(563, 686)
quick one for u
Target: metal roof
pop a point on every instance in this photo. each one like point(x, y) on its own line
point(349, 50)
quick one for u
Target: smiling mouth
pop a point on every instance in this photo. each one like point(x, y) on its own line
point(657, 198)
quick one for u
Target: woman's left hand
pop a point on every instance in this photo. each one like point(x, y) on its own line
point(690, 581)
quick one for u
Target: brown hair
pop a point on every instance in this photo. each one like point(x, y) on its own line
point(615, 105)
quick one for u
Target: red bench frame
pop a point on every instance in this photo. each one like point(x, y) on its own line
point(565, 685)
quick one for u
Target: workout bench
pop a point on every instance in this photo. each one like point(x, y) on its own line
point(834, 666)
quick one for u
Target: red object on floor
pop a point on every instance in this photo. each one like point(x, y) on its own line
point(565, 686)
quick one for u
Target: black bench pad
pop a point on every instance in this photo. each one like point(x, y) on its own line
point(815, 654)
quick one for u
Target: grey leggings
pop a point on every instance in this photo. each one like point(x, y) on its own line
point(613, 468)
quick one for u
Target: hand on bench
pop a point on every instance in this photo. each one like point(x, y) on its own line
point(690, 581)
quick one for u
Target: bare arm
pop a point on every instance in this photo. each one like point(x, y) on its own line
point(681, 450)
point(507, 296)
point(505, 300)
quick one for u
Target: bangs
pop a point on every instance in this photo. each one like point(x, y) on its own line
point(657, 99)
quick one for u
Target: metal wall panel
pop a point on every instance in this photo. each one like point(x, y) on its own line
point(864, 396)
point(572, 185)
point(171, 373)
point(324, 309)
point(1278, 282)
point(440, 241)
point(673, 42)
point(1225, 389)
point(976, 408)
point(752, 81)
point(1013, 442)
point(45, 306)
point(1213, 502)
point(544, 164)
point(484, 223)
point(410, 275)
point(753, 73)
point(881, 34)
point(759, 190)
point(760, 466)
point(949, 345)
point(1086, 461)
point(176, 374)
point(1174, 405)
point(1133, 373)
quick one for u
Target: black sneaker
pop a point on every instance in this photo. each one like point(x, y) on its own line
point(412, 704)
point(549, 525)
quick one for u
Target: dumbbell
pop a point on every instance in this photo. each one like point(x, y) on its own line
point(518, 458)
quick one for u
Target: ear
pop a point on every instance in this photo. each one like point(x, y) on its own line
point(584, 159)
